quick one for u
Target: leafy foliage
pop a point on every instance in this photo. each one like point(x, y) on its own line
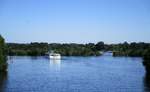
point(3, 57)
point(132, 49)
point(38, 49)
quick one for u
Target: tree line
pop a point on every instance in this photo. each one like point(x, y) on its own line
point(73, 49)
point(131, 49)
point(40, 49)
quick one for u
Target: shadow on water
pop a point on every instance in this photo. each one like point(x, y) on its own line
point(3, 79)
point(147, 83)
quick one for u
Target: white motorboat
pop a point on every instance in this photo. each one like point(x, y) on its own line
point(54, 56)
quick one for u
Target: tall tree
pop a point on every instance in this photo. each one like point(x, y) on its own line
point(3, 57)
point(100, 46)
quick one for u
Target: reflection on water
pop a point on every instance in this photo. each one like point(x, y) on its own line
point(3, 79)
point(147, 83)
point(55, 64)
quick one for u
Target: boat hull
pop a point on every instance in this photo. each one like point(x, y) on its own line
point(55, 57)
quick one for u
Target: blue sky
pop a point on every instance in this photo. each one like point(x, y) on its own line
point(75, 21)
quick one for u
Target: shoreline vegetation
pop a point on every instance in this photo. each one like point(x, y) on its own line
point(131, 50)
point(40, 49)
point(3, 55)
point(146, 62)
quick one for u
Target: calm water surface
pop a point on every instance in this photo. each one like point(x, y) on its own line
point(74, 74)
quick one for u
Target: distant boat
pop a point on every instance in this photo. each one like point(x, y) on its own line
point(54, 56)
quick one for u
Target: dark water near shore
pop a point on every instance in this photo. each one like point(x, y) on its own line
point(74, 74)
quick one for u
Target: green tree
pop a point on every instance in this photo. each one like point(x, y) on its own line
point(3, 57)
point(100, 46)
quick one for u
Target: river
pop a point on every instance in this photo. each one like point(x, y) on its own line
point(74, 74)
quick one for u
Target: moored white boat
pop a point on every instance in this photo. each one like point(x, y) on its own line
point(54, 56)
